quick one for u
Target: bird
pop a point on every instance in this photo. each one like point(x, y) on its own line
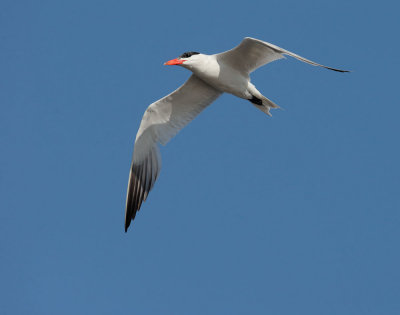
point(212, 75)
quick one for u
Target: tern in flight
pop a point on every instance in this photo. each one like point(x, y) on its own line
point(212, 75)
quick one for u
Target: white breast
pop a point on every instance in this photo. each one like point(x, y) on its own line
point(222, 77)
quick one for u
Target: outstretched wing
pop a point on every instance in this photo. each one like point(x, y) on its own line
point(253, 53)
point(161, 121)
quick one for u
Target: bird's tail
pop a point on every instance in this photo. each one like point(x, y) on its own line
point(260, 101)
point(264, 104)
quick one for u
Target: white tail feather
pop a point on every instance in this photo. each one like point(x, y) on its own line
point(267, 104)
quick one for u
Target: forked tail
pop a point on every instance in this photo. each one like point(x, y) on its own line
point(264, 104)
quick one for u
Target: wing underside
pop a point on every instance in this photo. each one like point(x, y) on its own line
point(161, 121)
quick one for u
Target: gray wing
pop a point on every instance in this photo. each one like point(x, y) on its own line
point(253, 53)
point(161, 121)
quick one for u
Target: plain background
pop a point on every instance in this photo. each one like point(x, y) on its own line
point(294, 214)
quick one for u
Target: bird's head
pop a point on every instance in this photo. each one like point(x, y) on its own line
point(187, 60)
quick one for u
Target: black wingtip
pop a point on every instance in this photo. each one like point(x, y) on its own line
point(338, 70)
point(128, 221)
point(342, 71)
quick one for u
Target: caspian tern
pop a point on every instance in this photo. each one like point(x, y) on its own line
point(212, 75)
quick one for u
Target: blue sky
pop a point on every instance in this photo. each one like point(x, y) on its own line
point(294, 214)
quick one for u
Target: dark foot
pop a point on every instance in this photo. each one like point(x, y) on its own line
point(256, 100)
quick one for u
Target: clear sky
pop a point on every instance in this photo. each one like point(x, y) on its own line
point(294, 214)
